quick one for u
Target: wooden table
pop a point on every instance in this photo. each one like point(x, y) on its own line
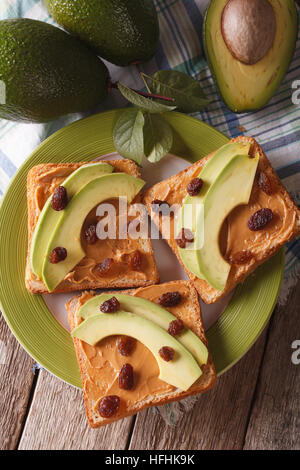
point(254, 406)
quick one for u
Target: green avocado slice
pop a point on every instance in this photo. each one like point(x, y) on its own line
point(232, 188)
point(153, 312)
point(49, 218)
point(191, 211)
point(245, 87)
point(181, 372)
point(68, 230)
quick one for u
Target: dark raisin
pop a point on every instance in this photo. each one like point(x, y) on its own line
point(110, 305)
point(104, 267)
point(175, 327)
point(194, 186)
point(170, 299)
point(125, 379)
point(260, 219)
point(166, 353)
point(184, 237)
point(91, 234)
point(59, 199)
point(241, 257)
point(125, 345)
point(160, 206)
point(136, 261)
point(264, 183)
point(58, 254)
point(109, 406)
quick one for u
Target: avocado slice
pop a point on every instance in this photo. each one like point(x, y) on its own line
point(231, 188)
point(152, 312)
point(67, 232)
point(181, 372)
point(247, 53)
point(49, 218)
point(191, 212)
point(123, 32)
point(47, 72)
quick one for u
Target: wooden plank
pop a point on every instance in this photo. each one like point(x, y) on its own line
point(16, 377)
point(275, 418)
point(57, 420)
point(219, 419)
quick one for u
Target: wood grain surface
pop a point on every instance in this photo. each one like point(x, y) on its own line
point(57, 421)
point(255, 405)
point(275, 417)
point(16, 379)
point(219, 419)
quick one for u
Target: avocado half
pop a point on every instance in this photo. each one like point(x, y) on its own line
point(249, 45)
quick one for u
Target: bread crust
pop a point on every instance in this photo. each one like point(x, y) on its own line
point(35, 285)
point(237, 274)
point(194, 322)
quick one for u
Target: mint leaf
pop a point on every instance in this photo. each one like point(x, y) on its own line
point(128, 135)
point(142, 102)
point(158, 137)
point(186, 91)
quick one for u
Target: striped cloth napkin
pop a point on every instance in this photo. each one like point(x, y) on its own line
point(276, 127)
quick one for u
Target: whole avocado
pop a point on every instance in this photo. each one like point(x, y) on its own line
point(46, 72)
point(123, 32)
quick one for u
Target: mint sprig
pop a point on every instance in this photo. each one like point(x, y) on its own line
point(142, 130)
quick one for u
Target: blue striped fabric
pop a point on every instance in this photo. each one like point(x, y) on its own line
point(276, 127)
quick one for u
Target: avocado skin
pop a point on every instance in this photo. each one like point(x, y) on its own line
point(294, 19)
point(47, 72)
point(123, 32)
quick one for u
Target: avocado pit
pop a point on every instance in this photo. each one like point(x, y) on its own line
point(248, 29)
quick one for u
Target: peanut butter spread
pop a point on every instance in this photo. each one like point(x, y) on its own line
point(240, 237)
point(119, 250)
point(103, 362)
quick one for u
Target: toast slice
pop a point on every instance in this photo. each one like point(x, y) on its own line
point(41, 182)
point(235, 237)
point(99, 365)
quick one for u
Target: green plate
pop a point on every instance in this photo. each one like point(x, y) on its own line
point(27, 315)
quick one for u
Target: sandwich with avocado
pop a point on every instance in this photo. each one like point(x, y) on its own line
point(64, 252)
point(234, 215)
point(139, 348)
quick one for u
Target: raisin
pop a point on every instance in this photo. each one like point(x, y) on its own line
point(160, 206)
point(58, 254)
point(175, 327)
point(104, 267)
point(184, 237)
point(260, 219)
point(109, 406)
point(135, 261)
point(194, 186)
point(166, 353)
point(125, 379)
point(91, 234)
point(170, 299)
point(264, 183)
point(110, 305)
point(241, 257)
point(59, 199)
point(125, 345)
